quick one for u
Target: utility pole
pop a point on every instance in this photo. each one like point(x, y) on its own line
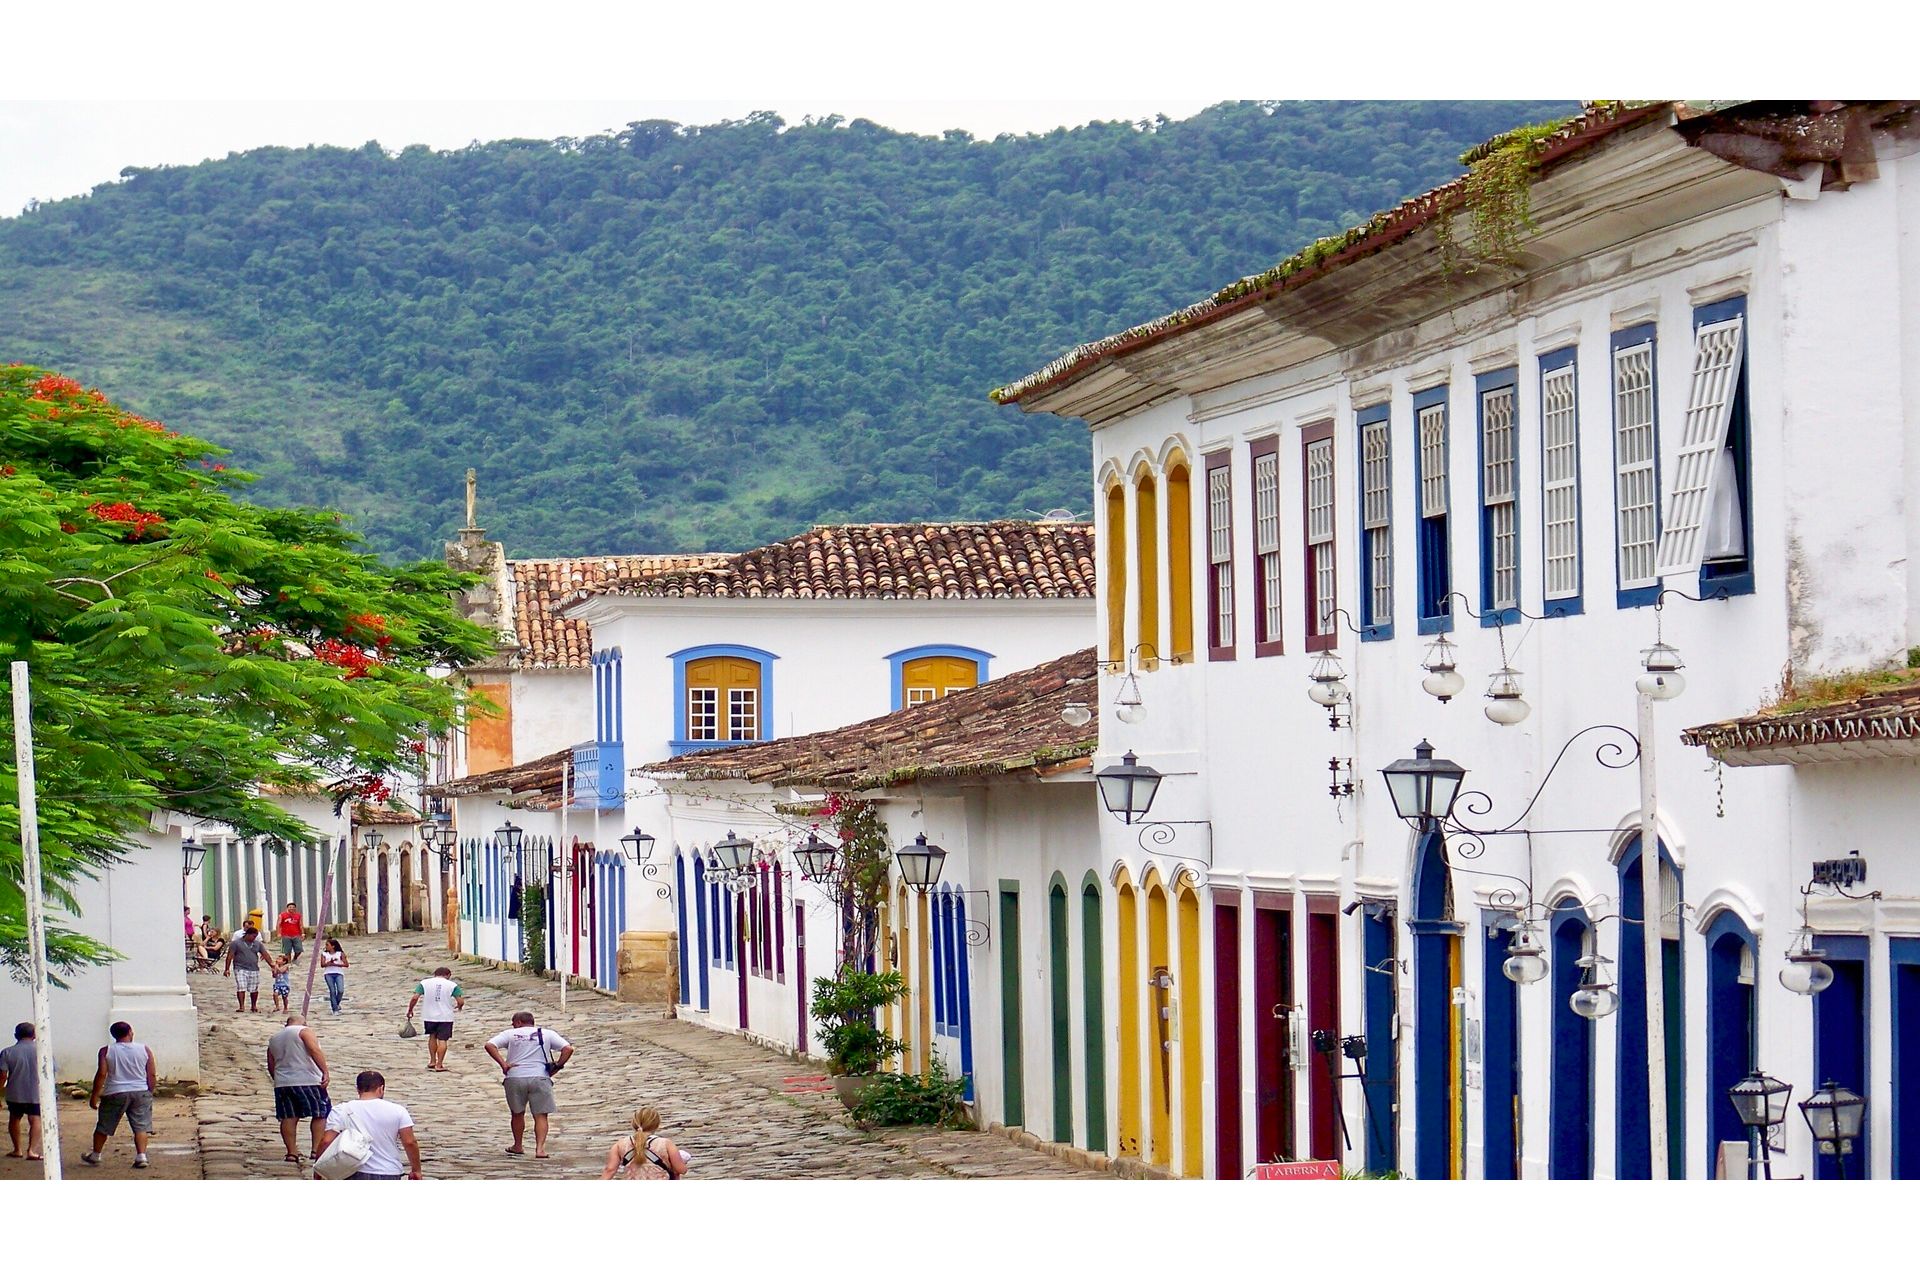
point(35, 893)
point(1653, 913)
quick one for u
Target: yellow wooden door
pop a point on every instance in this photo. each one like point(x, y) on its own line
point(723, 700)
point(1159, 973)
point(924, 679)
point(1131, 981)
point(1187, 993)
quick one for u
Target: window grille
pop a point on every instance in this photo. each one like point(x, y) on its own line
point(1716, 377)
point(1376, 518)
point(1266, 540)
point(1496, 478)
point(1220, 551)
point(1560, 482)
point(1636, 511)
point(1320, 532)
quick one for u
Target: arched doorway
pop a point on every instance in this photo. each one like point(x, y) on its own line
point(1633, 1156)
point(1439, 1148)
point(1093, 995)
point(1059, 987)
point(1188, 987)
point(1130, 986)
point(1160, 980)
point(381, 892)
point(1732, 1029)
point(1570, 1100)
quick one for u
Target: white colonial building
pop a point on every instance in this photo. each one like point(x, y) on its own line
point(1666, 403)
point(650, 657)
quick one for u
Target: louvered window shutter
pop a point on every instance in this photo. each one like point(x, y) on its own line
point(1690, 489)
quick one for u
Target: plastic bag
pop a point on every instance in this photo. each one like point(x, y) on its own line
point(409, 1031)
point(346, 1153)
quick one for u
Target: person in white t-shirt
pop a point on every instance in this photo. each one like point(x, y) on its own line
point(440, 997)
point(523, 1055)
point(388, 1126)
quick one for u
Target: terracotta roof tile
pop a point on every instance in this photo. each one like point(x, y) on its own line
point(1880, 718)
point(538, 778)
point(541, 587)
point(1003, 726)
point(989, 560)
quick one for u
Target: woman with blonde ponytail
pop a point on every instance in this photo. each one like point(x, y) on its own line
point(644, 1153)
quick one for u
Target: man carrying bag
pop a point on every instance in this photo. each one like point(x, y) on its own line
point(529, 1056)
point(365, 1138)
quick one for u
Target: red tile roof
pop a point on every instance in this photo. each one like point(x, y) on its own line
point(1004, 726)
point(1377, 233)
point(989, 560)
point(541, 587)
point(1884, 721)
point(536, 781)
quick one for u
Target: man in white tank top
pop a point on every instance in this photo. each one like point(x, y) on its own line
point(123, 1086)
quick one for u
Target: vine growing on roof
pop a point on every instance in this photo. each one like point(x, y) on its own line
point(1496, 196)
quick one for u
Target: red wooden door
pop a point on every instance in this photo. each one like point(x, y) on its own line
point(800, 975)
point(1323, 1014)
point(740, 944)
point(589, 876)
point(1228, 1161)
point(573, 899)
point(1272, 1006)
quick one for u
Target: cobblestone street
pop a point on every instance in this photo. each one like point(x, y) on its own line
point(738, 1110)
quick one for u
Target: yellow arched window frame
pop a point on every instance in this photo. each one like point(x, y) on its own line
point(1147, 534)
point(1180, 556)
point(924, 679)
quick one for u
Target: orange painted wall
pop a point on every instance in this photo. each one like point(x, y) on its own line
point(490, 735)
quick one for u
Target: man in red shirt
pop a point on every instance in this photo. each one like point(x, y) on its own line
point(290, 931)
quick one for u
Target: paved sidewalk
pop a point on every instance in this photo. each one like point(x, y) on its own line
point(723, 1098)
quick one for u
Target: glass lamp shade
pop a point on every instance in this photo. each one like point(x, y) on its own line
point(1759, 1099)
point(920, 862)
point(1807, 972)
point(733, 852)
point(1662, 680)
point(815, 859)
point(1127, 789)
point(1077, 714)
point(1328, 693)
point(370, 838)
point(1594, 1000)
point(1504, 703)
point(1131, 713)
point(1835, 1114)
point(638, 845)
point(1421, 787)
point(1442, 681)
point(1526, 964)
point(192, 852)
point(510, 838)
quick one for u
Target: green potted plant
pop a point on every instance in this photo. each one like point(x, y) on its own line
point(847, 1005)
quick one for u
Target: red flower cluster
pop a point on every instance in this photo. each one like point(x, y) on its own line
point(418, 748)
point(126, 513)
point(370, 628)
point(6, 470)
point(367, 786)
point(55, 387)
point(352, 660)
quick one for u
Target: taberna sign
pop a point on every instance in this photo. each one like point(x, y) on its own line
point(1296, 1171)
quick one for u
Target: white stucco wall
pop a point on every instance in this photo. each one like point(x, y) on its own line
point(134, 907)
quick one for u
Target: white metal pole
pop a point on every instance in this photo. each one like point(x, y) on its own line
point(35, 893)
point(560, 895)
point(1652, 911)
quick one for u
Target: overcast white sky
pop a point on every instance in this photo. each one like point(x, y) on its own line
point(113, 83)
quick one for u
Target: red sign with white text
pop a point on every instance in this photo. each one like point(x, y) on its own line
point(1297, 1171)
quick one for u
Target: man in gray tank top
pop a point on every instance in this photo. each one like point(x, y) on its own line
point(123, 1086)
point(300, 1076)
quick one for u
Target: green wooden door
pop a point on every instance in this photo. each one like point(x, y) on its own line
point(1013, 1083)
point(1093, 1000)
point(1062, 1015)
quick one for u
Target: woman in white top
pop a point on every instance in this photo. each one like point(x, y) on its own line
point(333, 967)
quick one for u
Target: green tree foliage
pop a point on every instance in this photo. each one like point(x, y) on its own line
point(673, 337)
point(186, 648)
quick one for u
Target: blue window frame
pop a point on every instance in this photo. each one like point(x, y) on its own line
point(1904, 954)
point(897, 663)
point(1432, 506)
point(1632, 1124)
point(1500, 1054)
point(1730, 574)
point(1497, 406)
point(1562, 567)
point(682, 743)
point(1636, 466)
point(1732, 1029)
point(1374, 431)
point(1842, 1029)
point(1570, 1088)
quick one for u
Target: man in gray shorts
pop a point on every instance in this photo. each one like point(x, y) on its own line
point(528, 1073)
point(123, 1086)
point(243, 962)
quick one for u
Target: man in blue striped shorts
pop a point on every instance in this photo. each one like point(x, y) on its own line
point(299, 1071)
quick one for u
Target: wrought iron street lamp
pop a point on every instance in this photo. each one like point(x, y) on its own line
point(1128, 788)
point(733, 854)
point(370, 839)
point(816, 859)
point(192, 853)
point(1835, 1114)
point(638, 846)
point(510, 838)
point(1421, 787)
point(920, 863)
point(1761, 1103)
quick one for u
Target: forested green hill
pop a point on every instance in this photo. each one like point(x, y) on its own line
point(678, 338)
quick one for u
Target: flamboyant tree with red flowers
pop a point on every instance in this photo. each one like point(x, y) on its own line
point(188, 649)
